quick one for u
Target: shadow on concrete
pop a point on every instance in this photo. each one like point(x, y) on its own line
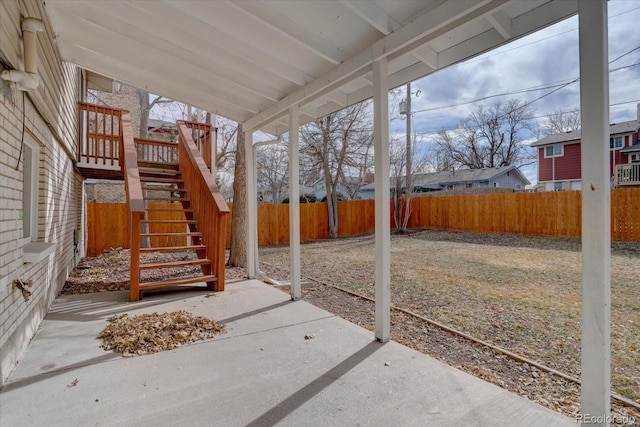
point(62, 370)
point(293, 402)
point(100, 305)
point(253, 312)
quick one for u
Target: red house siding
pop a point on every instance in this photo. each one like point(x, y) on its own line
point(545, 167)
point(566, 166)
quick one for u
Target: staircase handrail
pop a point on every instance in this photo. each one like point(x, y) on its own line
point(206, 200)
point(206, 141)
point(135, 200)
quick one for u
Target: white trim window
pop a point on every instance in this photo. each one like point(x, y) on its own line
point(30, 160)
point(616, 142)
point(634, 158)
point(553, 151)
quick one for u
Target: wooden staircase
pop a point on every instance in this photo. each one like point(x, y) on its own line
point(160, 186)
point(161, 176)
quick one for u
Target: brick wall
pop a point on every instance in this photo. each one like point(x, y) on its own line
point(123, 97)
point(105, 191)
point(49, 127)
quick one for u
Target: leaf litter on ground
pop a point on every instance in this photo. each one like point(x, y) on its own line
point(154, 332)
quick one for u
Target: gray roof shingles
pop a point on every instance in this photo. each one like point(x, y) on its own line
point(614, 129)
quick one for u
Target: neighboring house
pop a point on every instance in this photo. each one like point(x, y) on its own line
point(42, 210)
point(320, 190)
point(559, 166)
point(162, 130)
point(503, 177)
point(267, 195)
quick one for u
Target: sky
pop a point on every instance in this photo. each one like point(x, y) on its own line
point(547, 57)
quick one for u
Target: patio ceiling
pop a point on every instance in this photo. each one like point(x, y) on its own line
point(249, 61)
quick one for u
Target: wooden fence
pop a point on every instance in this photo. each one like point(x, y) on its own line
point(540, 214)
point(107, 226)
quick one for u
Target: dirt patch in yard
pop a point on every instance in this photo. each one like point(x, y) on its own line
point(520, 293)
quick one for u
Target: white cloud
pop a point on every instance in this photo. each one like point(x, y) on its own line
point(540, 59)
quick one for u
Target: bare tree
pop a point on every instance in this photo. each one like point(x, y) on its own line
point(561, 121)
point(402, 185)
point(145, 110)
point(237, 253)
point(273, 170)
point(489, 137)
point(334, 144)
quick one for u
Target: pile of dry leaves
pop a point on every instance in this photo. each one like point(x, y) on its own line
point(151, 333)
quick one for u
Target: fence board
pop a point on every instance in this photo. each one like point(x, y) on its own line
point(106, 227)
point(542, 214)
point(164, 241)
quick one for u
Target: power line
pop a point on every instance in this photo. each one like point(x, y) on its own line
point(624, 54)
point(540, 40)
point(559, 85)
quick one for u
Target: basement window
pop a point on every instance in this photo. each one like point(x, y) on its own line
point(32, 250)
point(29, 214)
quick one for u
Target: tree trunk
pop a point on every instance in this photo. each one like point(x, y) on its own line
point(238, 253)
point(143, 96)
point(332, 206)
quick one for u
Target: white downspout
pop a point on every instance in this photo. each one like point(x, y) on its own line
point(252, 198)
point(28, 79)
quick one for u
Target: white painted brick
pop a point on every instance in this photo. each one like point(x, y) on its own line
point(56, 204)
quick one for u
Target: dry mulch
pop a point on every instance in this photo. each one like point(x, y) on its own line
point(151, 333)
point(110, 271)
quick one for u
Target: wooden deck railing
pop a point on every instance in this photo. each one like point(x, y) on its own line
point(627, 174)
point(205, 137)
point(206, 200)
point(100, 140)
point(100, 135)
point(135, 201)
point(158, 152)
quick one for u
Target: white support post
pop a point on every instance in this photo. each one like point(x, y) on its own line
point(294, 203)
point(596, 214)
point(252, 206)
point(382, 201)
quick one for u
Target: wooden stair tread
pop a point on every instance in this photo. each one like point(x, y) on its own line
point(195, 234)
point(163, 188)
point(169, 209)
point(169, 221)
point(177, 281)
point(155, 171)
point(175, 248)
point(172, 264)
point(158, 165)
point(172, 199)
point(161, 180)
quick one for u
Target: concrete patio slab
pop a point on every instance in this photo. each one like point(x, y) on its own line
point(261, 371)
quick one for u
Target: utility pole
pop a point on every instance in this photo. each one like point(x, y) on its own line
point(408, 185)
